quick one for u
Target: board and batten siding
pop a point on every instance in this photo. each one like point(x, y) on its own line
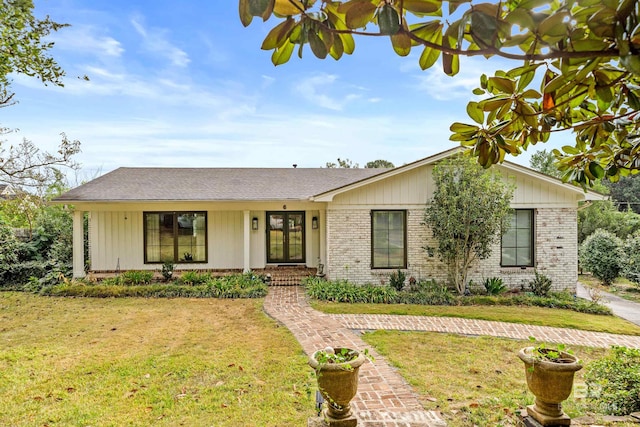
point(413, 187)
point(116, 239)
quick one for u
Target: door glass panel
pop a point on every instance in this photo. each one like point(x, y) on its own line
point(276, 237)
point(295, 241)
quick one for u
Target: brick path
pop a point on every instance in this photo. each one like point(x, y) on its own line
point(384, 398)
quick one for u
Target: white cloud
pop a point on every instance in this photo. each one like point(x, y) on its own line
point(87, 39)
point(315, 90)
point(155, 41)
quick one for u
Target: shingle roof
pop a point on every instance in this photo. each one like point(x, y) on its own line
point(215, 184)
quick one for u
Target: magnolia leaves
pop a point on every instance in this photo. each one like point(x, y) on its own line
point(578, 66)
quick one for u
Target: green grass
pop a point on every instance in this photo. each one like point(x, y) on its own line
point(620, 287)
point(142, 362)
point(473, 381)
point(513, 314)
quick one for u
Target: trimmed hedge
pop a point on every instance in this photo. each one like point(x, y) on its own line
point(431, 293)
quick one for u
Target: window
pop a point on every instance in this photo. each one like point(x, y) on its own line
point(388, 239)
point(517, 242)
point(175, 237)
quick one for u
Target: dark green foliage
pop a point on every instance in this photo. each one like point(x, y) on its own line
point(245, 285)
point(603, 214)
point(626, 193)
point(466, 216)
point(426, 292)
point(15, 276)
point(544, 161)
point(494, 286)
point(396, 280)
point(631, 265)
point(194, 278)
point(540, 285)
point(167, 270)
point(601, 253)
point(430, 292)
point(613, 382)
point(136, 277)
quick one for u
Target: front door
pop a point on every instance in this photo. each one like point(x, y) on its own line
point(285, 237)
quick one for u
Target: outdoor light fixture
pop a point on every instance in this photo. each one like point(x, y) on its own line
point(254, 223)
point(314, 222)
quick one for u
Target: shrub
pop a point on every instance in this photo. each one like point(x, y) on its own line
point(194, 278)
point(15, 276)
point(429, 292)
point(167, 270)
point(613, 382)
point(631, 268)
point(234, 286)
point(494, 286)
point(134, 277)
point(600, 254)
point(540, 285)
point(396, 280)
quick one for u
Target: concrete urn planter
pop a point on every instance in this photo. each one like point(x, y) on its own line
point(337, 381)
point(551, 383)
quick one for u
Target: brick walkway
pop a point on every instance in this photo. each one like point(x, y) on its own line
point(384, 398)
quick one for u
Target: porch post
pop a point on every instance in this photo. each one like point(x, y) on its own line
point(78, 244)
point(247, 241)
point(323, 237)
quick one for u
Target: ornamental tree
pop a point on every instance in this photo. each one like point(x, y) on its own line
point(576, 67)
point(24, 50)
point(469, 212)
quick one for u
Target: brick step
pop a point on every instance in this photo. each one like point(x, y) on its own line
point(288, 276)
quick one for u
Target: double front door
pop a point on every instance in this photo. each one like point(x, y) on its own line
point(285, 237)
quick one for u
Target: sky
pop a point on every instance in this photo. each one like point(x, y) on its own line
point(184, 84)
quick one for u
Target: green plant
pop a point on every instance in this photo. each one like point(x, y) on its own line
point(631, 268)
point(540, 285)
point(557, 354)
point(469, 212)
point(396, 279)
point(494, 286)
point(194, 278)
point(613, 382)
point(167, 270)
point(136, 277)
point(331, 355)
point(601, 254)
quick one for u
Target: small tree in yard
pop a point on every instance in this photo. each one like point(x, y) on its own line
point(468, 214)
point(631, 269)
point(601, 254)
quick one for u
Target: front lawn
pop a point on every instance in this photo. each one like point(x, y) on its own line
point(142, 362)
point(473, 381)
point(514, 314)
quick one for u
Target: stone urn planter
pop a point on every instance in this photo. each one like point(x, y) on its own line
point(337, 375)
point(549, 375)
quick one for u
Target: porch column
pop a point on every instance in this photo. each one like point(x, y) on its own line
point(322, 229)
point(78, 244)
point(247, 241)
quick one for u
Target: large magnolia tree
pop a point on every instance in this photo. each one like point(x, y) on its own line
point(576, 67)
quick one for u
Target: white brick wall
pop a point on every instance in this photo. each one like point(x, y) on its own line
point(349, 250)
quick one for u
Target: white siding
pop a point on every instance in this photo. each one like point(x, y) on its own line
point(116, 237)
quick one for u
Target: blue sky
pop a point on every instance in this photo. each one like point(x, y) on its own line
point(184, 84)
